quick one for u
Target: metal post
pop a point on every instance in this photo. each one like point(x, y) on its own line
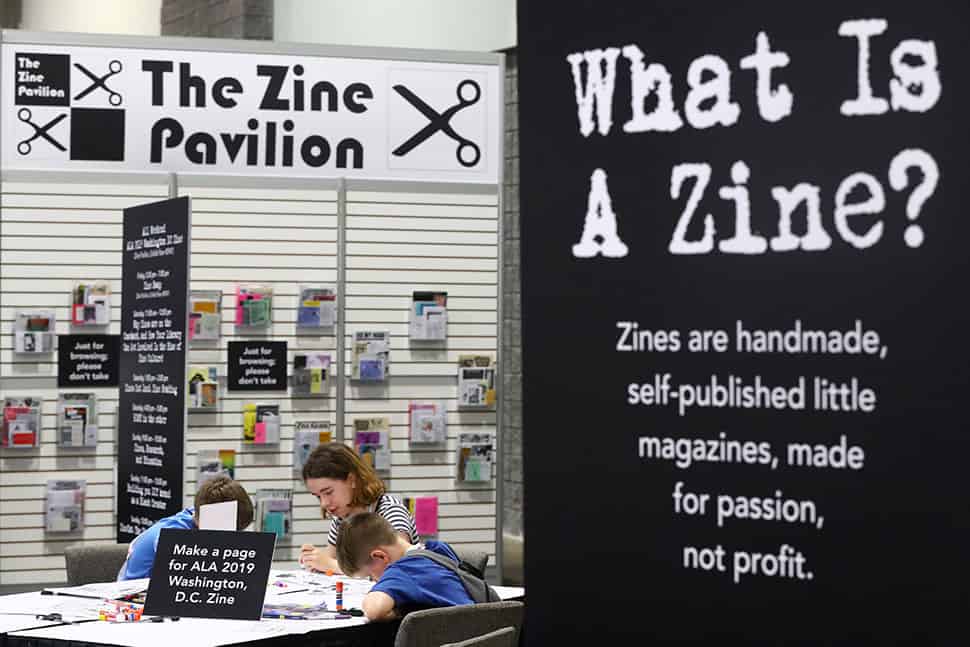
point(341, 338)
point(500, 351)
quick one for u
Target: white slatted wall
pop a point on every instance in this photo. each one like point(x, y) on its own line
point(398, 243)
point(52, 235)
point(281, 238)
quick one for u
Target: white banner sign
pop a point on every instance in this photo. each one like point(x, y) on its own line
point(92, 108)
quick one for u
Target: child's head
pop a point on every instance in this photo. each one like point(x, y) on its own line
point(367, 544)
point(220, 490)
point(341, 481)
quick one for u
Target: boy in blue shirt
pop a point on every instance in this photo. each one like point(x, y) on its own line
point(367, 545)
point(141, 551)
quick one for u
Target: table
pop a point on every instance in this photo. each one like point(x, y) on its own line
point(192, 632)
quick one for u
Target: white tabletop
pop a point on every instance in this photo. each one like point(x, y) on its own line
point(10, 624)
point(293, 586)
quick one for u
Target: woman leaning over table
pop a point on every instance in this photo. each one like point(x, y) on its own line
point(344, 485)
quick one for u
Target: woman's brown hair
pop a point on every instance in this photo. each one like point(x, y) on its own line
point(337, 461)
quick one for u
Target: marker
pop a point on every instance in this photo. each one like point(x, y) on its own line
point(340, 595)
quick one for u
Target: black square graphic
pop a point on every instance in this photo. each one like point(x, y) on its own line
point(98, 134)
point(42, 79)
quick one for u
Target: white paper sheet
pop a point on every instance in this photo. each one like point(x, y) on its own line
point(102, 590)
point(509, 592)
point(10, 624)
point(71, 608)
point(218, 516)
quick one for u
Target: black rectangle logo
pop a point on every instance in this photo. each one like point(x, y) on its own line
point(42, 79)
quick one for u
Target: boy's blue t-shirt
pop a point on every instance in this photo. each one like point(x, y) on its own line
point(419, 582)
point(141, 552)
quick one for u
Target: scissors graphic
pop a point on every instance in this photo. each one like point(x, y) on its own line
point(468, 153)
point(113, 68)
point(39, 131)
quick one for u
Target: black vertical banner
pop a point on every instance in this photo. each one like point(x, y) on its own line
point(744, 321)
point(151, 408)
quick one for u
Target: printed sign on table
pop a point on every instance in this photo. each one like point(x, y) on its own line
point(210, 574)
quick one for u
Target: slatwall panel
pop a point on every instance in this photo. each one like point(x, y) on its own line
point(282, 238)
point(54, 234)
point(279, 237)
point(397, 243)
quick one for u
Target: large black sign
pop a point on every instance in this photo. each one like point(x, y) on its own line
point(151, 407)
point(257, 366)
point(87, 360)
point(744, 221)
point(210, 574)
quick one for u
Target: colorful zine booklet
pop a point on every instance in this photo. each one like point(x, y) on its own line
point(261, 424)
point(254, 306)
point(203, 387)
point(429, 316)
point(65, 506)
point(317, 308)
point(311, 373)
point(21, 422)
point(424, 509)
point(211, 463)
point(475, 456)
point(91, 304)
point(274, 512)
point(77, 420)
point(372, 356)
point(372, 440)
point(33, 331)
point(307, 436)
point(429, 422)
point(205, 315)
point(476, 381)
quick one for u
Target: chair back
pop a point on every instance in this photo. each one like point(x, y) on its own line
point(498, 638)
point(97, 563)
point(477, 558)
point(437, 627)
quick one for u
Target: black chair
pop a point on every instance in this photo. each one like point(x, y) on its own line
point(477, 558)
point(437, 627)
point(97, 563)
point(498, 638)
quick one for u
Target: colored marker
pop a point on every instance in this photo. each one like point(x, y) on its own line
point(340, 595)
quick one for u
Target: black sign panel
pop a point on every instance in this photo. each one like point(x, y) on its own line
point(745, 219)
point(210, 574)
point(42, 79)
point(151, 407)
point(87, 360)
point(257, 366)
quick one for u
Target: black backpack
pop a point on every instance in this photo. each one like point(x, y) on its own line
point(477, 588)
